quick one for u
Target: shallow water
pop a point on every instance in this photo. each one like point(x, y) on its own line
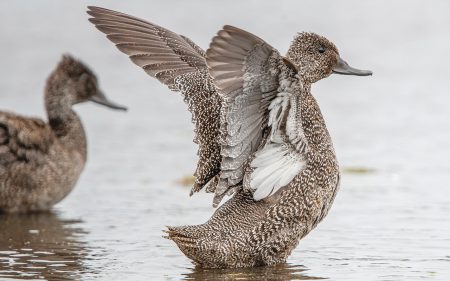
point(390, 220)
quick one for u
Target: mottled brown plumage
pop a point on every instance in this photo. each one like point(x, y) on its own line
point(254, 111)
point(178, 63)
point(40, 162)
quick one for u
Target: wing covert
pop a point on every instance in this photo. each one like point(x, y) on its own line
point(247, 72)
point(23, 139)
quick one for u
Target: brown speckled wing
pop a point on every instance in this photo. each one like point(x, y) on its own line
point(23, 139)
point(245, 69)
point(162, 53)
point(180, 64)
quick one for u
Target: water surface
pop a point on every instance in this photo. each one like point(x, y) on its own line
point(390, 220)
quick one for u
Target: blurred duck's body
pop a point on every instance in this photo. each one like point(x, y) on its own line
point(40, 162)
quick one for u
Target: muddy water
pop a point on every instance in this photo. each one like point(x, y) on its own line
point(390, 220)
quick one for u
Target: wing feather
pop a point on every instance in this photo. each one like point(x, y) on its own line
point(283, 155)
point(259, 122)
point(240, 63)
point(179, 63)
point(139, 38)
point(23, 139)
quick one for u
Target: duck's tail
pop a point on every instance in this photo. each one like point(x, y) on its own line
point(215, 243)
point(188, 240)
point(182, 240)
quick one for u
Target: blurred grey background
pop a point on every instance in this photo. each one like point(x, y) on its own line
point(391, 133)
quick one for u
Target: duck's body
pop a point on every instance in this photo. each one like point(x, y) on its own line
point(40, 162)
point(37, 168)
point(244, 233)
point(263, 130)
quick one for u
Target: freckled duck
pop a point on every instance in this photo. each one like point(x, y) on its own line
point(40, 162)
point(260, 132)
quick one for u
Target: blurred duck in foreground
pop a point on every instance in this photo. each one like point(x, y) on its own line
point(40, 162)
point(260, 132)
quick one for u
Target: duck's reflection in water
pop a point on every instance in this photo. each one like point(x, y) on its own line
point(278, 272)
point(41, 246)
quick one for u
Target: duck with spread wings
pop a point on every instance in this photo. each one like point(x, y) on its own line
point(260, 132)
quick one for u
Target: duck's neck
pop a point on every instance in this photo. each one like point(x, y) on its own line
point(314, 126)
point(64, 122)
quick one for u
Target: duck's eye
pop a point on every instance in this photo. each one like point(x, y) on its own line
point(321, 50)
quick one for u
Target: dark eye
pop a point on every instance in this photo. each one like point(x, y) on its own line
point(321, 50)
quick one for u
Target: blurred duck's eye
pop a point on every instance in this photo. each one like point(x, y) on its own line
point(321, 50)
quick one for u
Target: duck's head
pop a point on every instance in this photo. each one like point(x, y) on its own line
point(80, 83)
point(315, 58)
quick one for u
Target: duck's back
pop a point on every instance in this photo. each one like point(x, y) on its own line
point(37, 169)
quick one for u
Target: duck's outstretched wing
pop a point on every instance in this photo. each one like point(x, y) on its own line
point(23, 139)
point(162, 53)
point(250, 74)
point(178, 63)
